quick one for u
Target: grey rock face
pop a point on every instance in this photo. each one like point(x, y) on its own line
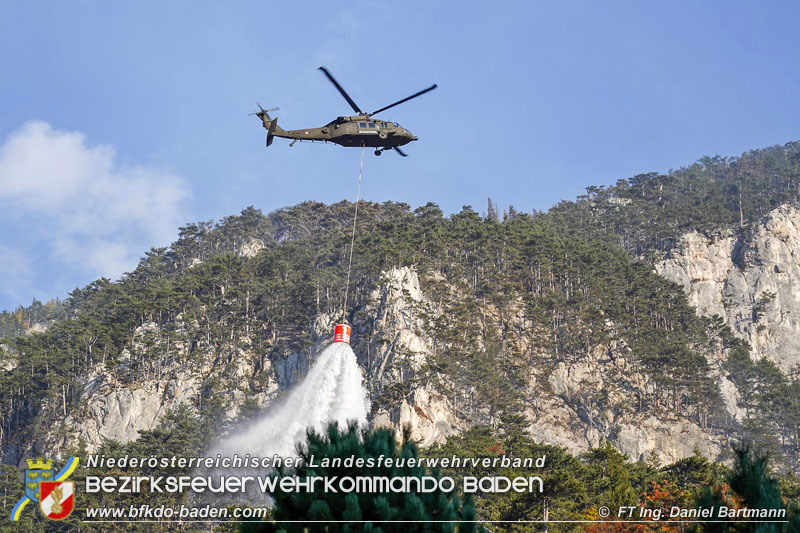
point(394, 353)
point(8, 361)
point(564, 411)
point(397, 347)
point(118, 410)
point(592, 401)
point(393, 346)
point(251, 248)
point(751, 282)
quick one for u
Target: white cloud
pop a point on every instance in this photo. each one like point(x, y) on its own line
point(96, 217)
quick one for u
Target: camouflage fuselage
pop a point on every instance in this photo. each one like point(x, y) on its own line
point(351, 131)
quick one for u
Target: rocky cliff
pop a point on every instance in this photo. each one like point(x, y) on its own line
point(528, 327)
point(458, 320)
point(750, 279)
point(577, 404)
point(116, 406)
point(561, 402)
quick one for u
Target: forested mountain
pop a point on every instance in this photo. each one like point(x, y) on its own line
point(512, 306)
point(649, 212)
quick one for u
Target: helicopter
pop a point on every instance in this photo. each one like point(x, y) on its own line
point(357, 130)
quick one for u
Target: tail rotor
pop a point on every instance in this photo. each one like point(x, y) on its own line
point(263, 114)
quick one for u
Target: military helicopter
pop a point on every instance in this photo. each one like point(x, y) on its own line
point(356, 130)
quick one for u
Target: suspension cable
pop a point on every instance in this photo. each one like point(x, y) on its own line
point(353, 235)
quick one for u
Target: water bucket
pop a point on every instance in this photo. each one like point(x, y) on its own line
point(341, 333)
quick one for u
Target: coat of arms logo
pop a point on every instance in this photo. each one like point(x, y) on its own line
point(37, 472)
point(56, 501)
point(50, 488)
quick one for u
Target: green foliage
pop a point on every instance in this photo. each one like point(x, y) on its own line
point(749, 485)
point(498, 285)
point(694, 472)
point(179, 434)
point(508, 293)
point(575, 486)
point(646, 214)
point(772, 405)
point(610, 477)
point(564, 477)
point(363, 511)
point(17, 322)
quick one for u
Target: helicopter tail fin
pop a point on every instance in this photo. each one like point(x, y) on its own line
point(273, 126)
point(269, 123)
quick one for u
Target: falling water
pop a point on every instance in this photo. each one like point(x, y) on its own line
point(331, 391)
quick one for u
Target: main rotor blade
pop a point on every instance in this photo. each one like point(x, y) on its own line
point(399, 151)
point(344, 93)
point(423, 91)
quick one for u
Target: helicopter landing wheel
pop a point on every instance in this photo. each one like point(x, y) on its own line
point(378, 152)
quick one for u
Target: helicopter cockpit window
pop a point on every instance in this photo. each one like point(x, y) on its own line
point(371, 124)
point(383, 125)
point(362, 124)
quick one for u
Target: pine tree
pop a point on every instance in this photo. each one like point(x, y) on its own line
point(749, 485)
point(364, 511)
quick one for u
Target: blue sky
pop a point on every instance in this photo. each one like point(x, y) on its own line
point(120, 121)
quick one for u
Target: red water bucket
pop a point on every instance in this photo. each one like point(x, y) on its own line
point(341, 333)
